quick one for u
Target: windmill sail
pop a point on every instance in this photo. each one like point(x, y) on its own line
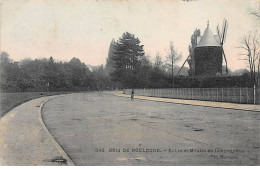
point(222, 38)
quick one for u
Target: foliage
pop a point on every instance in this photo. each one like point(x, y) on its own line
point(193, 44)
point(126, 56)
point(172, 58)
point(213, 81)
point(48, 75)
point(109, 61)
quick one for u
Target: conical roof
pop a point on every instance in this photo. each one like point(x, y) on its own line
point(208, 39)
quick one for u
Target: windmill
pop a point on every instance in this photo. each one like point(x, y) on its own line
point(222, 38)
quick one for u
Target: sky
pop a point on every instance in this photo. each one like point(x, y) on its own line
point(84, 29)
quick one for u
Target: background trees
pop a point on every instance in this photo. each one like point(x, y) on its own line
point(172, 58)
point(49, 75)
point(158, 73)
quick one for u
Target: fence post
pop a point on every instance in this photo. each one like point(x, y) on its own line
point(201, 94)
point(240, 97)
point(228, 94)
point(246, 95)
point(208, 94)
point(222, 94)
point(191, 93)
point(212, 94)
point(254, 94)
point(217, 94)
point(203, 91)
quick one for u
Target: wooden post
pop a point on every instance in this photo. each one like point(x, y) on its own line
point(254, 95)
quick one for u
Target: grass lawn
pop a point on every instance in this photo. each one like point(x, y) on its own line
point(10, 100)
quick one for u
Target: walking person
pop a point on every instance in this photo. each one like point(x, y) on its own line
point(132, 95)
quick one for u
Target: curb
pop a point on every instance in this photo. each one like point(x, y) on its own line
point(125, 95)
point(60, 149)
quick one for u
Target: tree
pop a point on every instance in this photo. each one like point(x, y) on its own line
point(144, 72)
point(4, 57)
point(78, 74)
point(158, 73)
point(109, 61)
point(126, 56)
point(46, 74)
point(193, 44)
point(250, 44)
point(11, 75)
point(255, 11)
point(101, 78)
point(158, 63)
point(172, 58)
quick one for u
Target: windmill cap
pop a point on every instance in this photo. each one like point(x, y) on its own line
point(208, 39)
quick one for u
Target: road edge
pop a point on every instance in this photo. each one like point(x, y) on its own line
point(54, 141)
point(125, 95)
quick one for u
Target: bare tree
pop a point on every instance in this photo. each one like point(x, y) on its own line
point(255, 11)
point(172, 58)
point(250, 44)
point(158, 63)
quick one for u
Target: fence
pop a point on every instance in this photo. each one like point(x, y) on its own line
point(232, 95)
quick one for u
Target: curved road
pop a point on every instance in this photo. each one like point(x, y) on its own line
point(89, 125)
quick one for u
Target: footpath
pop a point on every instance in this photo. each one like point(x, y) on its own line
point(25, 140)
point(247, 107)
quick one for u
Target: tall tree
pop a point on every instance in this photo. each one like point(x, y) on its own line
point(126, 56)
point(172, 58)
point(193, 44)
point(109, 61)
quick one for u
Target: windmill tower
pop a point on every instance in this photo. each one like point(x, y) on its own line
point(221, 39)
point(208, 55)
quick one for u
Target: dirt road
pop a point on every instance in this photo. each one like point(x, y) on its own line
point(102, 129)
